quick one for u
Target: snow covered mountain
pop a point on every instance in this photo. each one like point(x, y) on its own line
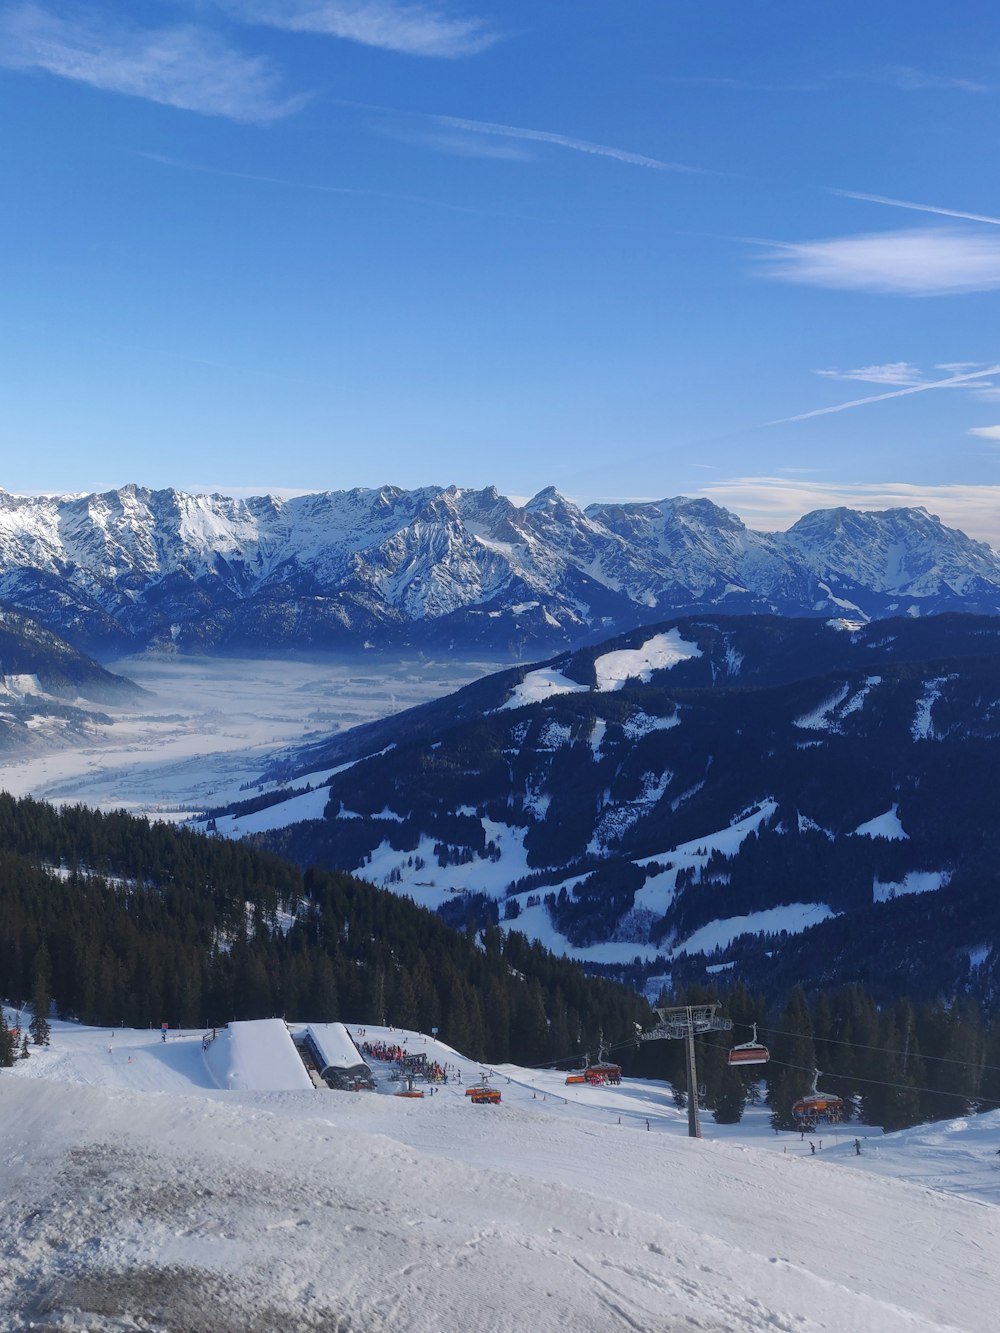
point(47, 687)
point(784, 797)
point(388, 567)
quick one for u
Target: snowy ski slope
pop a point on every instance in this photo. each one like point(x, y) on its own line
point(140, 1196)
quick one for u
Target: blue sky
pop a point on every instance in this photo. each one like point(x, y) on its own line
point(631, 249)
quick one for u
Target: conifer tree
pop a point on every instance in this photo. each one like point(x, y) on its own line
point(730, 1098)
point(40, 1001)
point(793, 1059)
point(7, 1044)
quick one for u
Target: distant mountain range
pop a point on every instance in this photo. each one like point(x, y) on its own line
point(446, 567)
point(777, 799)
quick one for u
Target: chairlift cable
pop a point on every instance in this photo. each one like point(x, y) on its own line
point(882, 1050)
point(879, 1082)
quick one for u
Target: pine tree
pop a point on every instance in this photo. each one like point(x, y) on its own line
point(730, 1098)
point(793, 1060)
point(40, 1001)
point(8, 1046)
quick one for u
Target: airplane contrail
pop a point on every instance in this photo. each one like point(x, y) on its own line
point(883, 397)
point(916, 208)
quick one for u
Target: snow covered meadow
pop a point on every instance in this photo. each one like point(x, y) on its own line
point(138, 1195)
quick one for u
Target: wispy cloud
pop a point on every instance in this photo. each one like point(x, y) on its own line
point(986, 432)
point(917, 208)
point(412, 29)
point(742, 85)
point(247, 492)
point(900, 373)
point(184, 66)
point(401, 124)
point(177, 165)
point(929, 262)
point(774, 503)
point(904, 78)
point(288, 184)
point(457, 144)
point(908, 79)
point(906, 392)
point(561, 141)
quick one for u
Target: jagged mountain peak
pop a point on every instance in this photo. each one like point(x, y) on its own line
point(549, 500)
point(388, 566)
point(904, 550)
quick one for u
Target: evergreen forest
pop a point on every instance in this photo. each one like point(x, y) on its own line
point(119, 921)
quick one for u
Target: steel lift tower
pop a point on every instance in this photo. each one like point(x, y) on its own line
point(684, 1023)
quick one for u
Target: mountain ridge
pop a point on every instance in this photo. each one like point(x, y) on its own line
point(451, 567)
point(709, 793)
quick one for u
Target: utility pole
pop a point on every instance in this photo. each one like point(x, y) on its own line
point(683, 1023)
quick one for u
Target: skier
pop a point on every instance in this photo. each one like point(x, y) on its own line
point(857, 1147)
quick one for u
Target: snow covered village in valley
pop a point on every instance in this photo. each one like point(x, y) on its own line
point(499, 667)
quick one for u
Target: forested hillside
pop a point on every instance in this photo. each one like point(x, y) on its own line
point(783, 799)
point(120, 921)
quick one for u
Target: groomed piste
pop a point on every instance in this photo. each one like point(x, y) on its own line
point(145, 1188)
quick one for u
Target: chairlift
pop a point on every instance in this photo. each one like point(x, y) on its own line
point(485, 1097)
point(750, 1052)
point(602, 1071)
point(480, 1088)
point(409, 1090)
point(818, 1108)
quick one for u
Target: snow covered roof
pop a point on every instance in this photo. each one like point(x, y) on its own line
point(256, 1056)
point(335, 1044)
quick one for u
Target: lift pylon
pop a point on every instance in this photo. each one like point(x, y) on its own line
point(684, 1023)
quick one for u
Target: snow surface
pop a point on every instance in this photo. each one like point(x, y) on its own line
point(254, 1056)
point(656, 654)
point(793, 918)
point(432, 885)
point(922, 727)
point(139, 1197)
point(538, 685)
point(917, 881)
point(612, 670)
point(819, 718)
point(310, 805)
point(883, 826)
point(335, 1043)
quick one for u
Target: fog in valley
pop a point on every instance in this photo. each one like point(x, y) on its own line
point(210, 726)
